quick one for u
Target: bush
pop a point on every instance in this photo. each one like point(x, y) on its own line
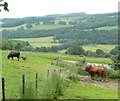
point(113, 74)
point(81, 71)
point(74, 77)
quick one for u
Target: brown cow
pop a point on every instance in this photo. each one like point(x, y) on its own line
point(95, 70)
point(24, 57)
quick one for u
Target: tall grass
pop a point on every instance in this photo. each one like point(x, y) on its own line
point(29, 92)
point(51, 89)
point(53, 86)
point(71, 69)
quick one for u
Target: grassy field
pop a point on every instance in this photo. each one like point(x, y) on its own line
point(38, 42)
point(12, 71)
point(106, 48)
point(46, 41)
point(39, 27)
point(74, 57)
point(83, 91)
point(45, 27)
point(14, 28)
point(107, 28)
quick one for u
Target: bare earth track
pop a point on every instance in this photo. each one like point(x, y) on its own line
point(110, 83)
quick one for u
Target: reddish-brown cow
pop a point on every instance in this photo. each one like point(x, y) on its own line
point(24, 57)
point(95, 70)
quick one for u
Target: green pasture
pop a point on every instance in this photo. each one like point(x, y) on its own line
point(67, 19)
point(38, 42)
point(12, 71)
point(75, 58)
point(14, 28)
point(106, 48)
point(46, 27)
point(1, 22)
point(87, 91)
point(104, 28)
point(38, 27)
point(107, 28)
point(46, 41)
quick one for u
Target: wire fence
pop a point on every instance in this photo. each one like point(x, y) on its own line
point(15, 88)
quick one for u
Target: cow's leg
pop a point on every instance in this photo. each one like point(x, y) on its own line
point(92, 77)
point(18, 58)
point(104, 78)
point(12, 57)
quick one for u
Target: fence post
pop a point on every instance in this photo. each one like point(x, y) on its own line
point(3, 89)
point(47, 72)
point(23, 84)
point(36, 81)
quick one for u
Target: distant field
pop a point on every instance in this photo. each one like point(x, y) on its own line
point(39, 27)
point(42, 27)
point(67, 19)
point(38, 42)
point(107, 28)
point(46, 41)
point(1, 22)
point(106, 48)
point(14, 28)
point(93, 48)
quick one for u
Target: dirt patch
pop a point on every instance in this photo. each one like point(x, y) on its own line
point(110, 83)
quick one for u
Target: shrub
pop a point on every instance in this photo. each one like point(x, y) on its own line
point(74, 77)
point(81, 71)
point(113, 74)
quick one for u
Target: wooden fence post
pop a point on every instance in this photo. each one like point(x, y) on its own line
point(23, 84)
point(3, 89)
point(36, 81)
point(47, 72)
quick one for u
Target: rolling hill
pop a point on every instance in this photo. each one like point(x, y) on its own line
point(66, 29)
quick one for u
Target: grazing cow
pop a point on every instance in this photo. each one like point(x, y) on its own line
point(14, 54)
point(24, 57)
point(95, 70)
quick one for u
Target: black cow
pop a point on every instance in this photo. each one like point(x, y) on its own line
point(14, 54)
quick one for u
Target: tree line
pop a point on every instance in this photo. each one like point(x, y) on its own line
point(85, 21)
point(71, 49)
point(13, 22)
point(66, 35)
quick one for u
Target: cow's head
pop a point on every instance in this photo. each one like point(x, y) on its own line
point(8, 56)
point(88, 68)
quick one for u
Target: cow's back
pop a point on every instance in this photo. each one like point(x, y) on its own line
point(15, 54)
